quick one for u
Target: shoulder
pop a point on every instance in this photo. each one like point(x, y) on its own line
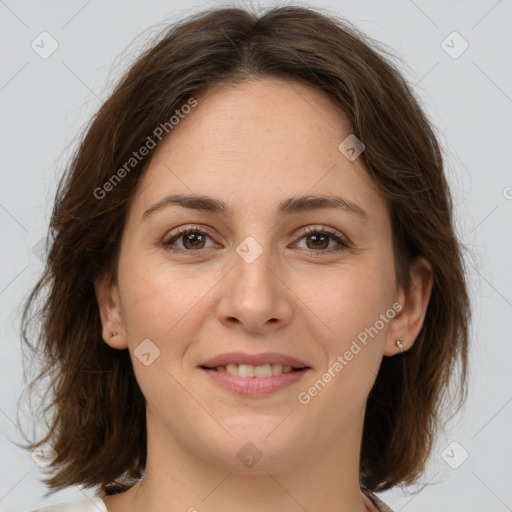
point(94, 504)
point(379, 504)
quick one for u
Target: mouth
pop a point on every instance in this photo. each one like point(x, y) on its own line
point(254, 381)
point(259, 371)
point(254, 375)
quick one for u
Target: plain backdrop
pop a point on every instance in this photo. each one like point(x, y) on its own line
point(467, 93)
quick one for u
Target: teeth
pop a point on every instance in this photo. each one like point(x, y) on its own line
point(248, 370)
point(277, 369)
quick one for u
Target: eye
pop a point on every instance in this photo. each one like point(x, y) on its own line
point(194, 239)
point(320, 239)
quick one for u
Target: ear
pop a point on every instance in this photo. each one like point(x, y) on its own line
point(107, 295)
point(408, 322)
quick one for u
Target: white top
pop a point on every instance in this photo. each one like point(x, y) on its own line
point(94, 504)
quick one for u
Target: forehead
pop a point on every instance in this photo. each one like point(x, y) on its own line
point(255, 143)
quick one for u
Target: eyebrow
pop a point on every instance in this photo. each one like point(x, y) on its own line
point(287, 207)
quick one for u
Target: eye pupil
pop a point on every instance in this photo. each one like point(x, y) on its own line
point(318, 238)
point(194, 238)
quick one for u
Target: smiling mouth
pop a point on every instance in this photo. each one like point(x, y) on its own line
point(254, 381)
point(254, 371)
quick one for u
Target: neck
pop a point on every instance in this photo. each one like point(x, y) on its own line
point(180, 479)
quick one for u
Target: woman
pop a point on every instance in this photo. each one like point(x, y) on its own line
point(256, 298)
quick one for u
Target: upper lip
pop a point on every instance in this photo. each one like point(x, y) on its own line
point(254, 359)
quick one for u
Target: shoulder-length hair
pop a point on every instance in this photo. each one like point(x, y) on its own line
point(97, 411)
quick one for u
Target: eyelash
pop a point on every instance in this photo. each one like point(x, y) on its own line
point(324, 230)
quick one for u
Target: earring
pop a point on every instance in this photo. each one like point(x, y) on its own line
point(112, 334)
point(399, 344)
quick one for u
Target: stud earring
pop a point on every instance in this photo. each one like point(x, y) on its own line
point(399, 344)
point(112, 334)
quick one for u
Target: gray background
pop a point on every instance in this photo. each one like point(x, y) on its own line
point(44, 103)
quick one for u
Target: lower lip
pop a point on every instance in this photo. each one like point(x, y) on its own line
point(255, 386)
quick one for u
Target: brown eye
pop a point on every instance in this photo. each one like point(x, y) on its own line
point(192, 239)
point(317, 240)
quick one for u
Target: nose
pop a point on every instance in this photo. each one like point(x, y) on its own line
point(255, 296)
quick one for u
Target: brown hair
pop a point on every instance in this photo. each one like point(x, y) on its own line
point(97, 425)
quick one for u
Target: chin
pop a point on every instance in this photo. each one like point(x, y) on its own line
point(256, 445)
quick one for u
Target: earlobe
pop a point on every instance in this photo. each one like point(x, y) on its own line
point(407, 324)
point(107, 296)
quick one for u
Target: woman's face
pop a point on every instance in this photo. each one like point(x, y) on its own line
point(249, 280)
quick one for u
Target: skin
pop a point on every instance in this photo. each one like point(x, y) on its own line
point(253, 145)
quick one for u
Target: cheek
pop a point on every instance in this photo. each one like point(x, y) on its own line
point(159, 299)
point(355, 311)
point(351, 301)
